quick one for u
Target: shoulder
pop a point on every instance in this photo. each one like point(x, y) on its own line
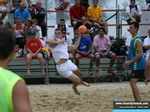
point(82, 7)
point(138, 6)
point(106, 36)
point(96, 37)
point(11, 76)
point(72, 7)
point(90, 7)
point(99, 7)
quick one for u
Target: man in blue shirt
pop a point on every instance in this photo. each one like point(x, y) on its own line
point(84, 50)
point(22, 12)
point(135, 60)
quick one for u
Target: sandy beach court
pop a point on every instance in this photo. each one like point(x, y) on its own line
point(98, 97)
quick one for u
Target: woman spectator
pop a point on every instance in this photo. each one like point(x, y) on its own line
point(33, 46)
point(19, 32)
point(28, 23)
point(7, 25)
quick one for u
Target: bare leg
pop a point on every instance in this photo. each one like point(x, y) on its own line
point(113, 58)
point(76, 81)
point(79, 74)
point(97, 61)
point(91, 61)
point(39, 56)
point(28, 60)
point(135, 90)
point(77, 57)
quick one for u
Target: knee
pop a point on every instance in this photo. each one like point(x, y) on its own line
point(77, 57)
point(113, 56)
point(97, 57)
point(78, 81)
point(132, 83)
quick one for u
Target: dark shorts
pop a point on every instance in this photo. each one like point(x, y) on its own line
point(138, 74)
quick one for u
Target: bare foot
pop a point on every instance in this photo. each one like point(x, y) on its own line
point(43, 72)
point(75, 90)
point(97, 73)
point(28, 72)
point(85, 84)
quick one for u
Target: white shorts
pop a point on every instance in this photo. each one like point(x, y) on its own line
point(66, 69)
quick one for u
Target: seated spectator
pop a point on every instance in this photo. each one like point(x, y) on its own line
point(85, 3)
point(134, 12)
point(28, 25)
point(76, 12)
point(36, 28)
point(8, 25)
point(19, 32)
point(84, 50)
point(95, 16)
point(34, 46)
point(22, 12)
point(14, 4)
point(3, 10)
point(39, 13)
point(84, 22)
point(61, 25)
point(147, 45)
point(127, 43)
point(102, 47)
point(62, 4)
point(148, 6)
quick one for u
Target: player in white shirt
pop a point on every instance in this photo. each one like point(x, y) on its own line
point(65, 67)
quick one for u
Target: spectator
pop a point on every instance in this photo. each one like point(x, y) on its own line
point(61, 25)
point(84, 22)
point(102, 47)
point(36, 28)
point(3, 10)
point(95, 15)
point(14, 4)
point(135, 60)
point(13, 91)
point(62, 4)
point(8, 25)
point(127, 43)
point(77, 12)
point(85, 3)
point(22, 12)
point(19, 32)
point(39, 13)
point(34, 46)
point(148, 6)
point(147, 45)
point(84, 50)
point(28, 26)
point(134, 12)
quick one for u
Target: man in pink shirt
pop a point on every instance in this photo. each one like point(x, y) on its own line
point(102, 47)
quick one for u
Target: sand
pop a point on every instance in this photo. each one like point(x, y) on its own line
point(98, 97)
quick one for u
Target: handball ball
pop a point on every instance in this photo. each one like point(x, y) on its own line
point(82, 29)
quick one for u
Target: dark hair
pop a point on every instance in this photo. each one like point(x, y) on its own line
point(94, 0)
point(132, 0)
point(62, 20)
point(136, 25)
point(103, 29)
point(7, 43)
point(60, 30)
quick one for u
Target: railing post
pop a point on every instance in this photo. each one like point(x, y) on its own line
point(46, 80)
